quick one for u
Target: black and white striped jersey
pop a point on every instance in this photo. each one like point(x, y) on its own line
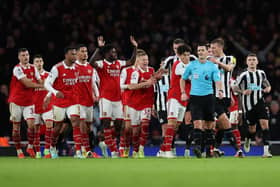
point(169, 61)
point(252, 81)
point(161, 91)
point(225, 75)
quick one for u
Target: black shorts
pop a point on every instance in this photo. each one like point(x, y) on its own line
point(259, 111)
point(162, 117)
point(188, 107)
point(203, 107)
point(222, 105)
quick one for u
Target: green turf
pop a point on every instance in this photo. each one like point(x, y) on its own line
point(226, 172)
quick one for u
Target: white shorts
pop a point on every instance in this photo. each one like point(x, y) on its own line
point(110, 109)
point(17, 112)
point(86, 113)
point(46, 116)
point(59, 113)
point(175, 110)
point(136, 116)
point(233, 117)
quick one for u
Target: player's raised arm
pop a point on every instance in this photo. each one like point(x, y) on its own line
point(93, 58)
point(133, 56)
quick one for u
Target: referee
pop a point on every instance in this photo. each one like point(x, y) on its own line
point(202, 73)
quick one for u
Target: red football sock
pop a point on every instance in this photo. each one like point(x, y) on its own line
point(135, 139)
point(30, 136)
point(77, 137)
point(162, 147)
point(168, 137)
point(108, 139)
point(48, 135)
point(37, 139)
point(144, 132)
point(85, 141)
point(237, 136)
point(16, 138)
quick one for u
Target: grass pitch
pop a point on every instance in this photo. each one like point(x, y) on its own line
point(226, 172)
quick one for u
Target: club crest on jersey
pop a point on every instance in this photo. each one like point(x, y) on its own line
point(64, 74)
point(89, 71)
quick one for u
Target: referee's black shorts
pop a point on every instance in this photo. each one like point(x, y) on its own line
point(203, 107)
point(259, 111)
point(222, 105)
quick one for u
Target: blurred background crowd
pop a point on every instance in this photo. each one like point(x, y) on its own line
point(46, 27)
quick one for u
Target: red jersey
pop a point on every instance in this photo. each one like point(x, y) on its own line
point(234, 97)
point(144, 97)
point(174, 91)
point(19, 93)
point(39, 95)
point(125, 79)
point(64, 79)
point(86, 81)
point(109, 75)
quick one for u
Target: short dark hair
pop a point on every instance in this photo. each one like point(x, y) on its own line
point(107, 48)
point(37, 56)
point(183, 48)
point(22, 50)
point(203, 44)
point(219, 41)
point(252, 55)
point(79, 46)
point(178, 41)
point(67, 49)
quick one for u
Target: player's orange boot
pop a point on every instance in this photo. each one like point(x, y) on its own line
point(95, 155)
point(31, 152)
point(21, 155)
point(122, 154)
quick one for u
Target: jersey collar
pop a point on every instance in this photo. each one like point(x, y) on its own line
point(68, 67)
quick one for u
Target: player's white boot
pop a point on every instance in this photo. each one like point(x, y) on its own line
point(247, 145)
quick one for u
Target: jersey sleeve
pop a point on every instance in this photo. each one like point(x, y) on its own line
point(50, 80)
point(187, 72)
point(167, 62)
point(37, 74)
point(240, 79)
point(135, 76)
point(123, 78)
point(216, 74)
point(99, 63)
point(18, 73)
point(233, 61)
point(122, 62)
point(179, 70)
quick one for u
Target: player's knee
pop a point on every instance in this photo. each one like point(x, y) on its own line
point(252, 128)
point(172, 122)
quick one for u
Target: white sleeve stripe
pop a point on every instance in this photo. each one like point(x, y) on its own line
point(18, 73)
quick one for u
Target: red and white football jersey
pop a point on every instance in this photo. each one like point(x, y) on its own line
point(174, 91)
point(39, 95)
point(125, 79)
point(86, 84)
point(234, 96)
point(144, 97)
point(20, 94)
point(109, 75)
point(63, 78)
